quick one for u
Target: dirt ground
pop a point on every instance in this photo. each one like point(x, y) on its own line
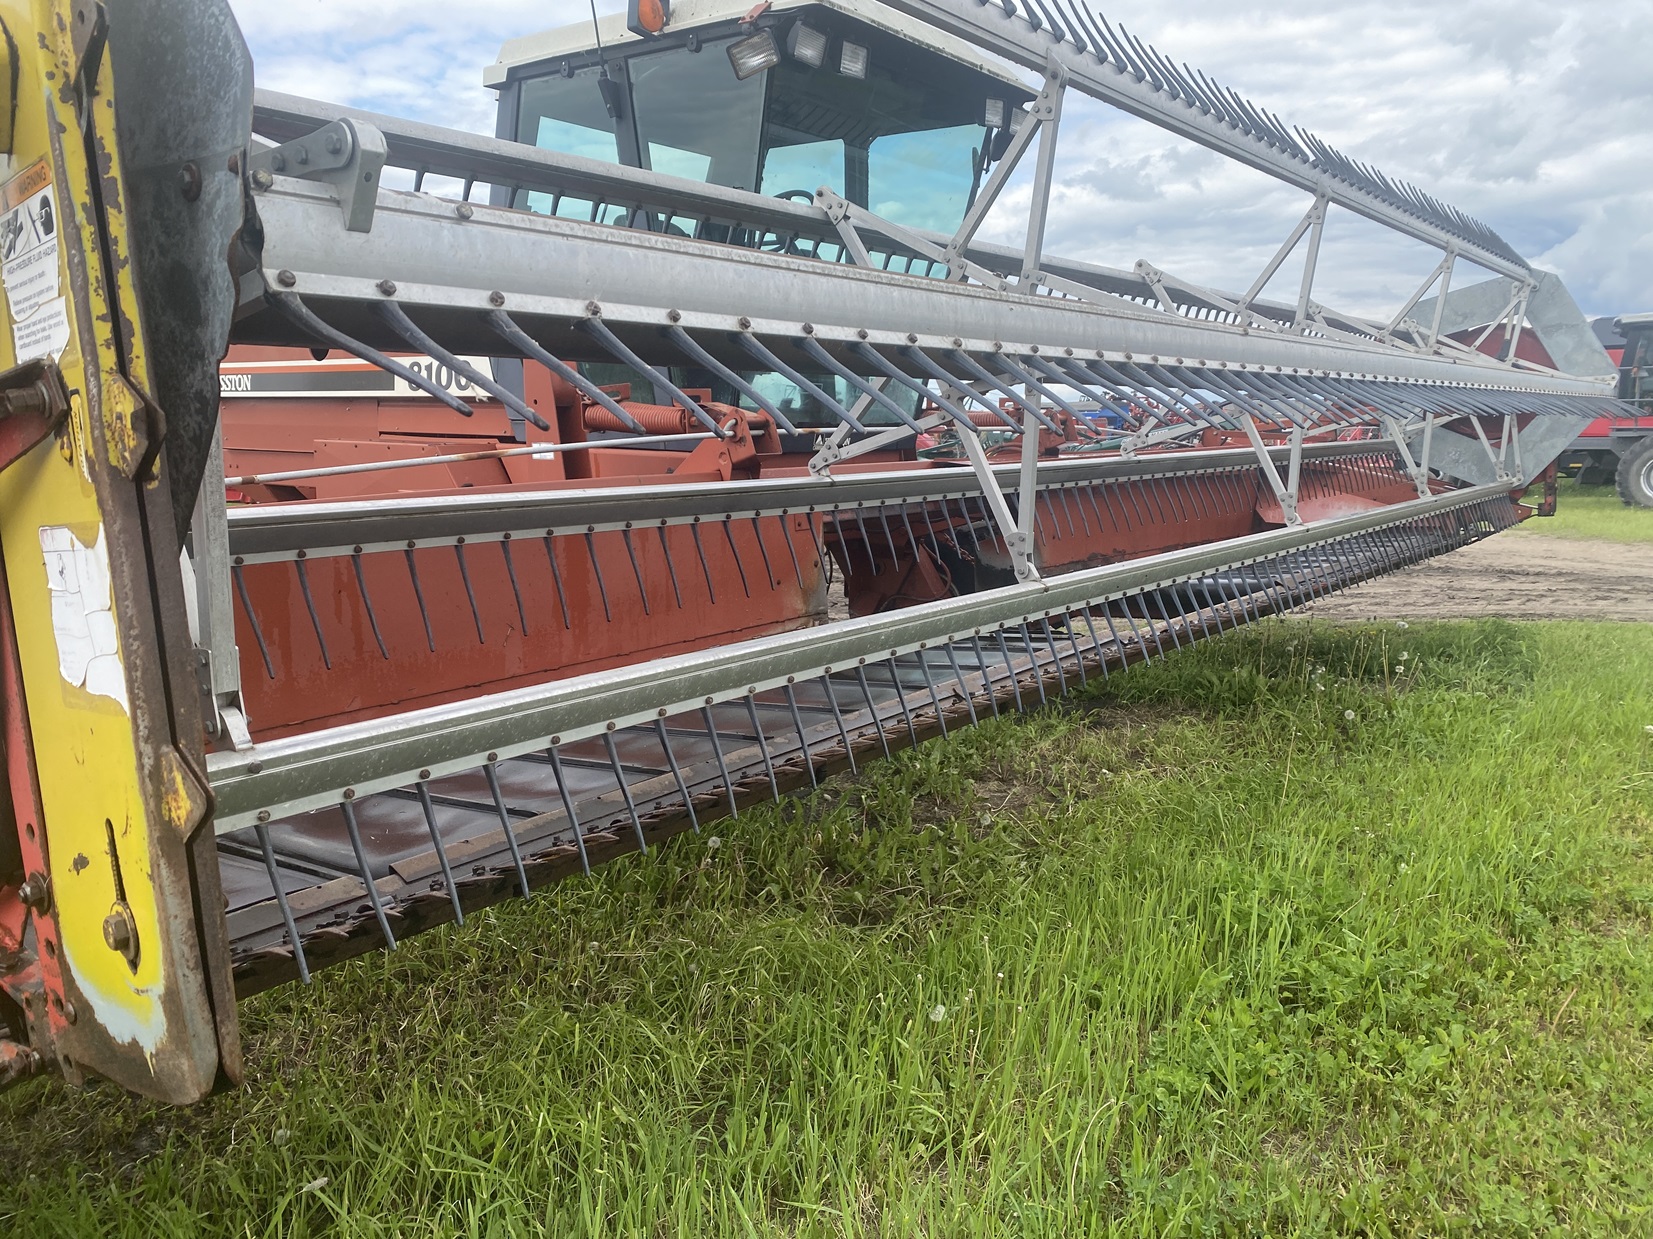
point(1512, 576)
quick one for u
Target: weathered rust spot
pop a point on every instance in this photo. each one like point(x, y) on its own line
point(80, 863)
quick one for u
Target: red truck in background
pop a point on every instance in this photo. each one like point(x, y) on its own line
point(1619, 451)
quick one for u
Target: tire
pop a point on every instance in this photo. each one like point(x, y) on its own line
point(1635, 475)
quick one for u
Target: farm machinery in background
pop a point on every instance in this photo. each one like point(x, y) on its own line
point(1618, 451)
point(706, 451)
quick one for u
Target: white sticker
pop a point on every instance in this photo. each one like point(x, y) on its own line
point(29, 227)
point(83, 614)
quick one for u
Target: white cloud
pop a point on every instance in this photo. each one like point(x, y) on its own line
point(1534, 117)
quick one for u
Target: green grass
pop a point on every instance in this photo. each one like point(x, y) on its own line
point(1210, 951)
point(1592, 512)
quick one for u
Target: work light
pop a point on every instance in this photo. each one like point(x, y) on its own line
point(754, 55)
point(806, 44)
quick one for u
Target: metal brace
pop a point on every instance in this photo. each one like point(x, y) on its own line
point(1017, 535)
point(347, 154)
point(1285, 491)
point(217, 660)
point(1419, 468)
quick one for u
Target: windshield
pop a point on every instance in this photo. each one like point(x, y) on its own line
point(905, 144)
point(567, 114)
point(695, 119)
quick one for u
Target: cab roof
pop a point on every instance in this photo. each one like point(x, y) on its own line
point(686, 15)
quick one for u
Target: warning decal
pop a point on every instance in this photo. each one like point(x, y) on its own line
point(29, 225)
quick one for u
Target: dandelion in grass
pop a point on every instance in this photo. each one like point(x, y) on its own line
point(1319, 688)
point(713, 844)
point(1400, 668)
point(281, 1137)
point(1402, 625)
point(937, 1013)
point(1349, 714)
point(1648, 729)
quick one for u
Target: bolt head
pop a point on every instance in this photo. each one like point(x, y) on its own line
point(387, 288)
point(286, 279)
point(464, 210)
point(118, 931)
point(335, 144)
point(35, 892)
point(496, 299)
point(189, 182)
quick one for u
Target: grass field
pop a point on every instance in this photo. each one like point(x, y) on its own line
point(1593, 512)
point(1316, 930)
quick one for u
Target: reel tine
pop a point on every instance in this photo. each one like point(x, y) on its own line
point(803, 736)
point(692, 348)
point(821, 556)
point(625, 789)
point(423, 788)
point(889, 536)
point(986, 673)
point(763, 746)
point(367, 603)
point(516, 590)
point(901, 699)
point(734, 552)
point(491, 773)
point(568, 806)
point(410, 331)
point(717, 752)
point(935, 697)
point(263, 832)
point(774, 364)
point(792, 551)
point(348, 807)
point(602, 587)
point(506, 329)
point(671, 568)
point(677, 773)
point(470, 594)
point(838, 718)
point(252, 618)
point(310, 606)
point(556, 577)
point(419, 595)
point(636, 571)
point(872, 707)
point(700, 549)
point(768, 568)
point(616, 348)
point(866, 540)
point(1078, 656)
point(1096, 643)
point(1056, 657)
point(1033, 656)
point(292, 307)
point(1015, 679)
point(964, 690)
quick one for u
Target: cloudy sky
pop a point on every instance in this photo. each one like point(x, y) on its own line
point(1533, 115)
